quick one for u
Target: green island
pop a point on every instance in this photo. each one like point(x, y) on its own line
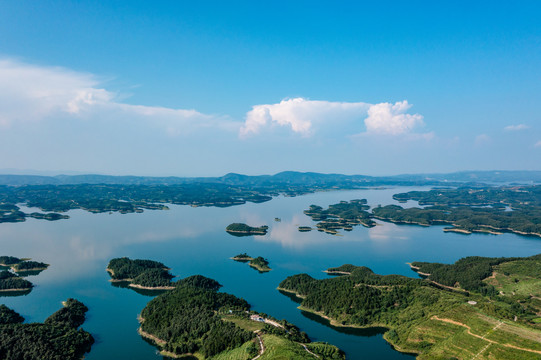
point(242, 257)
point(29, 266)
point(514, 209)
point(141, 274)
point(20, 265)
point(305, 228)
point(259, 263)
point(56, 338)
point(196, 320)
point(239, 229)
point(11, 281)
point(482, 308)
point(343, 215)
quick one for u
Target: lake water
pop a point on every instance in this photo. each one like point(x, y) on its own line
point(193, 241)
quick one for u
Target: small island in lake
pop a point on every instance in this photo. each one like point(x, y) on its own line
point(259, 263)
point(242, 257)
point(343, 215)
point(141, 274)
point(305, 228)
point(12, 282)
point(487, 308)
point(239, 229)
point(196, 320)
point(29, 266)
point(56, 338)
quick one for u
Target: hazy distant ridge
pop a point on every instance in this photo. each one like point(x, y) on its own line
point(286, 177)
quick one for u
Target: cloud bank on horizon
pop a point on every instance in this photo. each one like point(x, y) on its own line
point(57, 118)
point(31, 93)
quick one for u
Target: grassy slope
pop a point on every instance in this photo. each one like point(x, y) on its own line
point(450, 331)
point(451, 328)
point(278, 348)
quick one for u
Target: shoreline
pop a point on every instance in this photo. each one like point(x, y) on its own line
point(159, 342)
point(416, 269)
point(335, 323)
point(151, 287)
point(332, 272)
point(493, 230)
point(137, 286)
point(291, 292)
point(16, 290)
point(242, 258)
point(259, 268)
point(33, 269)
point(246, 232)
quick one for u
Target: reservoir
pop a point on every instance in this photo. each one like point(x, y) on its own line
point(192, 240)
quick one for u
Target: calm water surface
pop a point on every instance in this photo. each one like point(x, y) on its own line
point(193, 241)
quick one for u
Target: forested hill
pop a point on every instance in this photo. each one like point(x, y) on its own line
point(57, 338)
point(195, 318)
point(477, 304)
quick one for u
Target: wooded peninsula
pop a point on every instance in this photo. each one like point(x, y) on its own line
point(478, 304)
point(196, 319)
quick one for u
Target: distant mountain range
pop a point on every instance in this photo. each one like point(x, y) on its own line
point(287, 177)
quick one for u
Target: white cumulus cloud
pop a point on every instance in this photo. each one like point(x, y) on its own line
point(300, 114)
point(516, 127)
point(306, 117)
point(391, 119)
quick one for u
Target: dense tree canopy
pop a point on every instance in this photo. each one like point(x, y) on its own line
point(56, 339)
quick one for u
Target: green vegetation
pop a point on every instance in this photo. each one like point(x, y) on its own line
point(305, 228)
point(29, 266)
point(188, 319)
point(98, 198)
point(8, 316)
point(196, 319)
point(49, 216)
point(343, 215)
point(201, 282)
point(493, 315)
point(56, 338)
point(9, 260)
point(516, 209)
point(345, 269)
point(239, 229)
point(242, 257)
point(147, 274)
point(10, 281)
point(259, 263)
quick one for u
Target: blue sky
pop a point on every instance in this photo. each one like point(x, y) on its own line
point(205, 88)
